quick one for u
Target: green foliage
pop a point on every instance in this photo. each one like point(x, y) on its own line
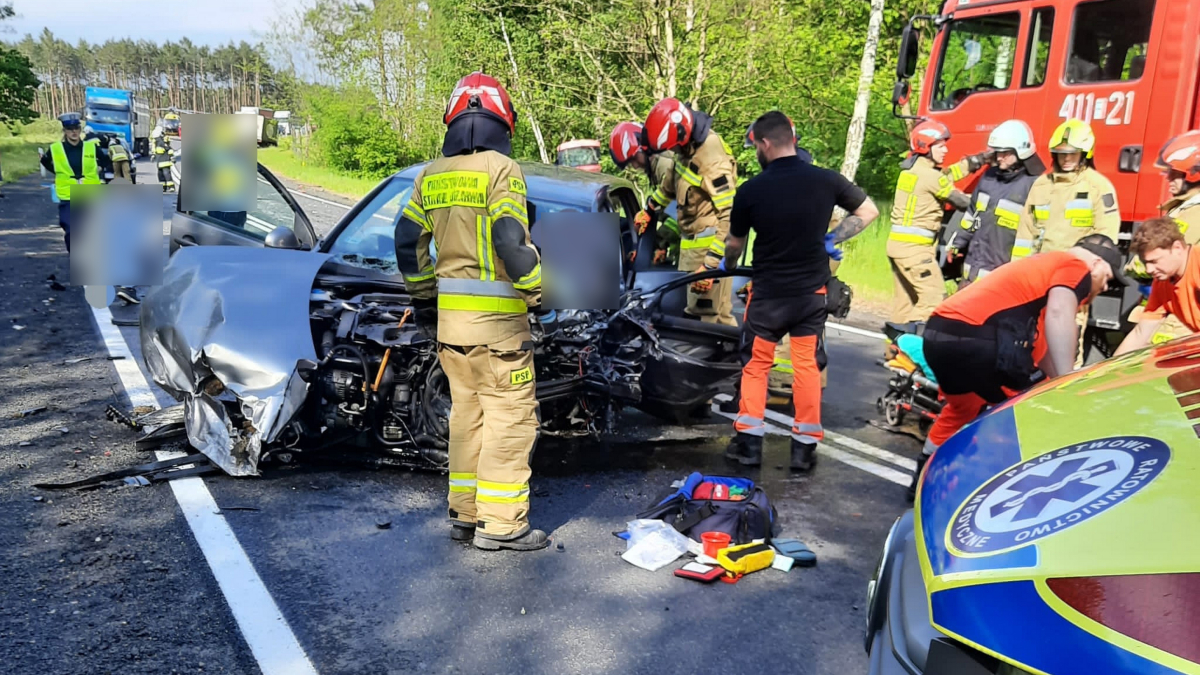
point(18, 86)
point(19, 144)
point(351, 136)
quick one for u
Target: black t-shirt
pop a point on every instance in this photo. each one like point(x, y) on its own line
point(789, 206)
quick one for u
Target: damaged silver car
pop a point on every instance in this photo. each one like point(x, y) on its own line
point(295, 345)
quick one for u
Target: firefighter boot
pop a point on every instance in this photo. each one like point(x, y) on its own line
point(804, 456)
point(526, 540)
point(462, 532)
point(912, 488)
point(745, 450)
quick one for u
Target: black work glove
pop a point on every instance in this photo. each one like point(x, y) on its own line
point(427, 318)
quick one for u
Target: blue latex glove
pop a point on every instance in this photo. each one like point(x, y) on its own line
point(1144, 290)
point(548, 317)
point(722, 265)
point(833, 251)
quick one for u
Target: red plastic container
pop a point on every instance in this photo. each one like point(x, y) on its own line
point(713, 542)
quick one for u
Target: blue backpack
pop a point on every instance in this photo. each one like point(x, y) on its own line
point(743, 520)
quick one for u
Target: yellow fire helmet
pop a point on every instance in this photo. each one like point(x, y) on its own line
point(171, 116)
point(1073, 136)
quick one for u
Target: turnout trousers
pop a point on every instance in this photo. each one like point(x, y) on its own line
point(919, 287)
point(714, 305)
point(493, 432)
point(767, 321)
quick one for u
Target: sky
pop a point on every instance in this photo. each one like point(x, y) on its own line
point(211, 22)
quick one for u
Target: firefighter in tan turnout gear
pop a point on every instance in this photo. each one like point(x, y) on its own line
point(1071, 202)
point(702, 184)
point(922, 191)
point(471, 203)
point(627, 147)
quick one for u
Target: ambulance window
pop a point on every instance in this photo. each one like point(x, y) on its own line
point(1109, 40)
point(977, 55)
point(1040, 32)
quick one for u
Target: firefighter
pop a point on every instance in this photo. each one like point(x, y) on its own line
point(626, 146)
point(989, 227)
point(122, 166)
point(1180, 161)
point(703, 184)
point(1072, 201)
point(987, 342)
point(471, 203)
point(788, 206)
point(162, 158)
point(922, 191)
point(73, 161)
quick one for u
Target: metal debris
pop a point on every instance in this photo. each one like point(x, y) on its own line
point(24, 444)
point(31, 411)
point(71, 362)
point(115, 415)
point(383, 523)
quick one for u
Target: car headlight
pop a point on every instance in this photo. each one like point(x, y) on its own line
point(873, 584)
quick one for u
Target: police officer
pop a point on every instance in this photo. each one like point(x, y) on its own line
point(922, 191)
point(73, 161)
point(626, 146)
point(989, 227)
point(471, 203)
point(703, 184)
point(788, 206)
point(1072, 201)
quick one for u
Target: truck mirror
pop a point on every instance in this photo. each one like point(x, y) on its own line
point(901, 92)
point(910, 52)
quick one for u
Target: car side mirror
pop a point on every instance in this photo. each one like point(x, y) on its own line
point(910, 52)
point(900, 92)
point(282, 237)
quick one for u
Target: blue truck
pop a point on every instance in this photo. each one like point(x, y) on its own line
point(120, 112)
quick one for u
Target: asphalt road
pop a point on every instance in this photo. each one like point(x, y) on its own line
point(113, 580)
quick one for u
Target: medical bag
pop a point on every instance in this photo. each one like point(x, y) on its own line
point(735, 506)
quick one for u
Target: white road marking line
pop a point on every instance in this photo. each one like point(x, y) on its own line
point(856, 331)
point(849, 458)
point(868, 449)
point(271, 640)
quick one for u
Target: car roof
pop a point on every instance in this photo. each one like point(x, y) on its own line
point(580, 143)
point(554, 183)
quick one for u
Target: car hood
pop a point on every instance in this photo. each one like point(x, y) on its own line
point(239, 315)
point(1072, 512)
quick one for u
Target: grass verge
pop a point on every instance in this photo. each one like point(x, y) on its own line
point(283, 162)
point(18, 146)
point(865, 263)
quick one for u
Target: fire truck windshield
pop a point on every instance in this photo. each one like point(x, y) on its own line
point(978, 54)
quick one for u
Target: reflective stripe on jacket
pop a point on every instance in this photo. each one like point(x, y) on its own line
point(990, 226)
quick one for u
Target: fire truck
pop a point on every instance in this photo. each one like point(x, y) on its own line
point(1130, 68)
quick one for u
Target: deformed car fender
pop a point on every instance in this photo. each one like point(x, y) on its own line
point(235, 318)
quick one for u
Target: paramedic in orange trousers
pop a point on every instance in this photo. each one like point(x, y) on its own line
point(789, 206)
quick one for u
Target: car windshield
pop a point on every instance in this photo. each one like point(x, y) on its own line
point(977, 56)
point(369, 240)
point(106, 116)
point(579, 156)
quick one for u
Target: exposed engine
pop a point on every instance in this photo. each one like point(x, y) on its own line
point(378, 382)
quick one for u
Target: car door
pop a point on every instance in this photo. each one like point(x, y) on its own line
point(274, 207)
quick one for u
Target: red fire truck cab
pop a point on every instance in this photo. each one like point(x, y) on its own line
point(1131, 68)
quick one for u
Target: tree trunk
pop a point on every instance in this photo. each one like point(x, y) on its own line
point(703, 51)
point(858, 121)
point(669, 33)
point(537, 130)
point(257, 88)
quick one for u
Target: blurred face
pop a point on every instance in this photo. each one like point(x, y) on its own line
point(72, 135)
point(1102, 273)
point(938, 153)
point(1006, 159)
point(1175, 183)
point(1166, 264)
point(1068, 161)
point(639, 161)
